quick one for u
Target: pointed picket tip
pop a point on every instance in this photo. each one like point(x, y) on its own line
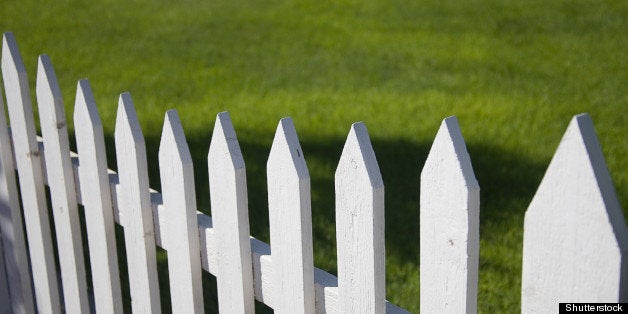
point(449, 145)
point(17, 91)
point(48, 93)
point(177, 183)
point(95, 192)
point(360, 226)
point(126, 120)
point(449, 219)
point(358, 155)
point(580, 162)
point(229, 207)
point(136, 209)
point(290, 219)
point(11, 57)
point(224, 141)
point(286, 150)
point(85, 109)
point(586, 135)
point(173, 143)
point(576, 216)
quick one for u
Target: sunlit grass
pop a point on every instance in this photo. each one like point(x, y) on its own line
point(513, 72)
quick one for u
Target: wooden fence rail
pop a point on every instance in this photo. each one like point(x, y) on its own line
point(575, 236)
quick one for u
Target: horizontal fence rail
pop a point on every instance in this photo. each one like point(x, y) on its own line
point(575, 238)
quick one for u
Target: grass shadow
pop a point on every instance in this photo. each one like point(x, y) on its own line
point(507, 180)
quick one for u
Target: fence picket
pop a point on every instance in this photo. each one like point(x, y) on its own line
point(96, 199)
point(449, 225)
point(62, 190)
point(13, 238)
point(575, 243)
point(136, 209)
point(290, 212)
point(28, 162)
point(179, 199)
point(229, 207)
point(360, 226)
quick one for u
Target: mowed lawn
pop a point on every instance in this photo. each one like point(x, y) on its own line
point(514, 72)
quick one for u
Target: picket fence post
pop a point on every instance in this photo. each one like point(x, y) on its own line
point(15, 260)
point(360, 226)
point(575, 244)
point(290, 213)
point(96, 199)
point(229, 207)
point(29, 167)
point(62, 191)
point(449, 225)
point(179, 199)
point(136, 214)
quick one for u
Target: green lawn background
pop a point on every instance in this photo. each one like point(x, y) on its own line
point(514, 72)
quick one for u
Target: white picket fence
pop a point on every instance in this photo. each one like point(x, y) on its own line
point(575, 242)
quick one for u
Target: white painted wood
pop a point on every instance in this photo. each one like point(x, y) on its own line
point(575, 245)
point(327, 300)
point(156, 204)
point(449, 225)
point(263, 273)
point(290, 213)
point(207, 237)
point(177, 183)
point(360, 226)
point(28, 162)
point(229, 206)
point(62, 191)
point(13, 238)
point(96, 199)
point(326, 285)
point(136, 207)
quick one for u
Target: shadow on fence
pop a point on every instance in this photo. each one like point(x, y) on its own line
point(507, 180)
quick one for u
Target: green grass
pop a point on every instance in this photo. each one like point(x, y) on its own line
point(513, 72)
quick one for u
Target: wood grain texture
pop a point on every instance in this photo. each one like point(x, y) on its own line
point(290, 213)
point(229, 206)
point(136, 209)
point(449, 225)
point(96, 199)
point(62, 190)
point(179, 198)
point(360, 226)
point(31, 177)
point(326, 285)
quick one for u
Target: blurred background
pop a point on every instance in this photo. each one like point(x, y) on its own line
point(513, 72)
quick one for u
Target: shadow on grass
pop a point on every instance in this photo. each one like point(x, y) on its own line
point(507, 180)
